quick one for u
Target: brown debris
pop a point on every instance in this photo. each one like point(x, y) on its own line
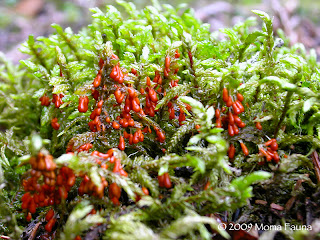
point(276, 206)
point(316, 163)
point(34, 231)
point(261, 202)
point(290, 203)
point(292, 200)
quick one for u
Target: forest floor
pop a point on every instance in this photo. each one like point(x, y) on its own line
point(20, 18)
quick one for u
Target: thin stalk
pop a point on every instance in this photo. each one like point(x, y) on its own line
point(72, 47)
point(284, 112)
point(38, 57)
point(257, 94)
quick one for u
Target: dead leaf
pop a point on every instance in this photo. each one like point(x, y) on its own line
point(316, 163)
point(261, 202)
point(276, 206)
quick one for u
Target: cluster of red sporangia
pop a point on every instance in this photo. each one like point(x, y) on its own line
point(172, 114)
point(124, 123)
point(109, 159)
point(171, 105)
point(51, 220)
point(232, 121)
point(105, 160)
point(164, 180)
point(83, 148)
point(126, 93)
point(45, 100)
point(57, 100)
point(232, 149)
point(269, 151)
point(54, 123)
point(231, 118)
point(83, 104)
point(167, 63)
point(100, 119)
point(151, 95)
point(123, 92)
point(87, 186)
point(46, 186)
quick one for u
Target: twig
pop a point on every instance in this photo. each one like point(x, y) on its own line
point(34, 231)
point(4, 237)
point(292, 200)
point(316, 164)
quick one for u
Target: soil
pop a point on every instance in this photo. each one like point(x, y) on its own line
point(20, 18)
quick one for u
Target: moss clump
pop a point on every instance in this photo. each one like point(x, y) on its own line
point(163, 123)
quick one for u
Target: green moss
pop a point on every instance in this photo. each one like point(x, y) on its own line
point(280, 88)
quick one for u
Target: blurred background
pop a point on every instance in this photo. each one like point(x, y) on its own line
point(18, 18)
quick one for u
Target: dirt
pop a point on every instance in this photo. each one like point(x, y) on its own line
point(27, 17)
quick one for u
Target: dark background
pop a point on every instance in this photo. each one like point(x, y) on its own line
point(20, 18)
